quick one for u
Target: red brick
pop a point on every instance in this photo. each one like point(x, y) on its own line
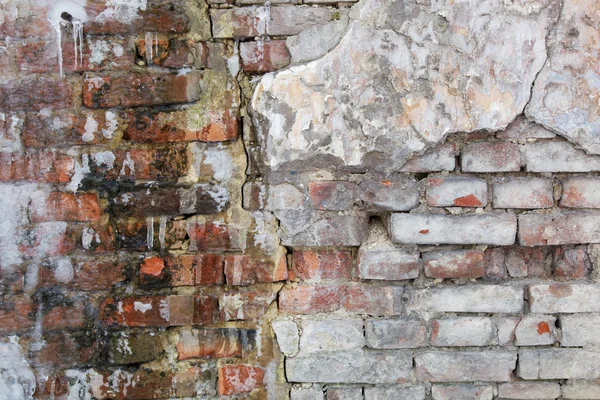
point(456, 191)
point(42, 56)
point(491, 157)
point(64, 317)
point(96, 237)
point(236, 379)
point(33, 23)
point(185, 270)
point(64, 349)
point(332, 195)
point(246, 270)
point(171, 53)
point(206, 310)
point(264, 56)
point(454, 264)
point(69, 207)
point(373, 300)
point(210, 236)
point(315, 265)
point(43, 166)
point(311, 299)
point(147, 383)
point(66, 128)
point(147, 311)
point(164, 18)
point(571, 263)
point(134, 90)
point(211, 343)
point(581, 192)
point(17, 314)
point(35, 93)
point(163, 164)
point(146, 126)
point(89, 275)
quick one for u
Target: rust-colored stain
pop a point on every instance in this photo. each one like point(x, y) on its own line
point(386, 183)
point(543, 328)
point(424, 231)
point(467, 201)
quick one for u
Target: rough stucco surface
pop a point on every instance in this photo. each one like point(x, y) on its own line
point(404, 76)
point(299, 200)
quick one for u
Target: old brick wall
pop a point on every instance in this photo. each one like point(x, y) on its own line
point(179, 221)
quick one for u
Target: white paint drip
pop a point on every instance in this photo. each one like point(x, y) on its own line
point(38, 333)
point(162, 230)
point(78, 174)
point(111, 127)
point(148, 44)
point(76, 9)
point(90, 128)
point(127, 163)
point(150, 232)
point(78, 42)
point(141, 307)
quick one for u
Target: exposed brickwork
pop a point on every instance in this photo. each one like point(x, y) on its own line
point(164, 236)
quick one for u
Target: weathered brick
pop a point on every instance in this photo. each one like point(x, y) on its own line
point(357, 366)
point(395, 193)
point(523, 261)
point(150, 126)
point(536, 330)
point(395, 333)
point(66, 128)
point(167, 18)
point(94, 54)
point(521, 128)
point(580, 192)
point(564, 298)
point(453, 264)
point(331, 335)
point(213, 343)
point(247, 304)
point(412, 392)
point(522, 193)
point(198, 199)
point(581, 390)
point(252, 21)
point(344, 393)
point(558, 157)
point(388, 263)
point(496, 229)
point(470, 298)
point(212, 236)
point(134, 347)
point(160, 49)
point(491, 157)
point(86, 274)
point(246, 270)
point(287, 335)
point(529, 390)
point(558, 364)
point(441, 158)
point(457, 392)
point(315, 265)
point(327, 229)
point(462, 331)
point(134, 90)
point(506, 327)
point(237, 379)
point(579, 330)
point(314, 392)
point(35, 93)
point(571, 263)
point(17, 314)
point(373, 300)
point(494, 262)
point(456, 192)
point(185, 270)
point(69, 207)
point(558, 228)
point(145, 383)
point(264, 56)
point(67, 349)
point(441, 366)
point(42, 166)
point(332, 195)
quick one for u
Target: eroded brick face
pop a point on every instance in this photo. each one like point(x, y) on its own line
point(231, 199)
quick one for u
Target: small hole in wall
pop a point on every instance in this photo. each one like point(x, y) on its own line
point(66, 16)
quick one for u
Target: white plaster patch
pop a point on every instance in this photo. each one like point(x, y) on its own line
point(124, 11)
point(17, 381)
point(142, 307)
point(64, 272)
point(104, 158)
point(221, 162)
point(90, 128)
